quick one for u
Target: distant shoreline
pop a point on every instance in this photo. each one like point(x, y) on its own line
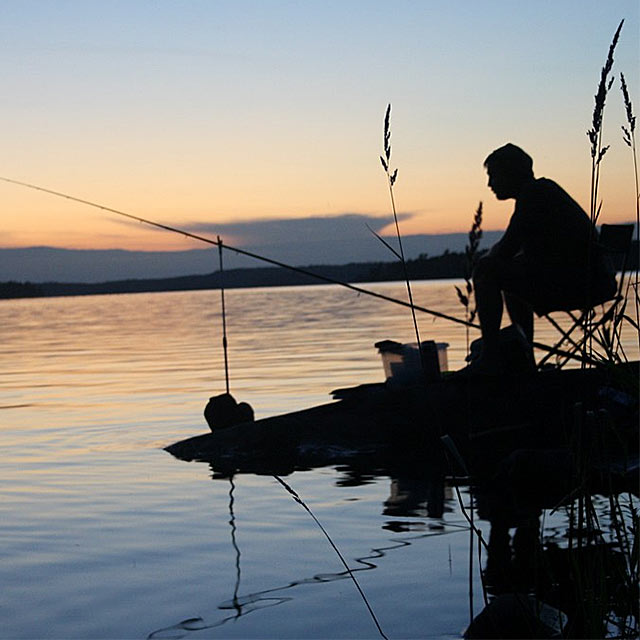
point(448, 265)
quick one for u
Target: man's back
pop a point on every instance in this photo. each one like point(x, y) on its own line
point(552, 227)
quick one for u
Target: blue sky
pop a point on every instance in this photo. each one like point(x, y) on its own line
point(207, 112)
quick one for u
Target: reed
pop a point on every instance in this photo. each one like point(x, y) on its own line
point(604, 568)
point(609, 336)
point(472, 254)
point(629, 137)
point(604, 572)
point(598, 151)
point(392, 176)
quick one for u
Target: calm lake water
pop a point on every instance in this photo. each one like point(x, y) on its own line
point(105, 535)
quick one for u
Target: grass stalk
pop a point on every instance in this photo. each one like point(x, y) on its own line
point(629, 137)
point(595, 133)
point(598, 152)
point(385, 160)
point(471, 254)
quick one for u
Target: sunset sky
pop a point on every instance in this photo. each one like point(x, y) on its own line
point(217, 115)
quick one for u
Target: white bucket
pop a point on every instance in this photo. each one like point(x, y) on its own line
point(401, 362)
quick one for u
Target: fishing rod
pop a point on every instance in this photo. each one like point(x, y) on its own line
point(244, 252)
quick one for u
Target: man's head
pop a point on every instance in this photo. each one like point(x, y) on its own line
point(509, 167)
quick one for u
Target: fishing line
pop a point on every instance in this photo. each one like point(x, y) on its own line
point(224, 318)
point(244, 252)
point(299, 500)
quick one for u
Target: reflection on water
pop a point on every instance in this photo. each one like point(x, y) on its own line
point(422, 496)
point(409, 497)
point(241, 605)
point(104, 535)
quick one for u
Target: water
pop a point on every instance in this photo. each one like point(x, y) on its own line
point(105, 535)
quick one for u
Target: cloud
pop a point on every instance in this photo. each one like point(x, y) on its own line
point(335, 239)
point(345, 227)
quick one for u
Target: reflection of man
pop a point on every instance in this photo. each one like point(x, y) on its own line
point(546, 260)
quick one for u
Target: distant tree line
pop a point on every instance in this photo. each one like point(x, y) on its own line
point(20, 290)
point(448, 265)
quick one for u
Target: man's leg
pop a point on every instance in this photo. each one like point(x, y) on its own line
point(521, 313)
point(489, 306)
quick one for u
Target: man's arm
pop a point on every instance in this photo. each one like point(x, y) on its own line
point(511, 241)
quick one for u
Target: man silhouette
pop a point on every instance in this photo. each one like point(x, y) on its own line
point(547, 259)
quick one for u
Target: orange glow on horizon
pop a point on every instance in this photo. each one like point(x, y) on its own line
point(433, 196)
